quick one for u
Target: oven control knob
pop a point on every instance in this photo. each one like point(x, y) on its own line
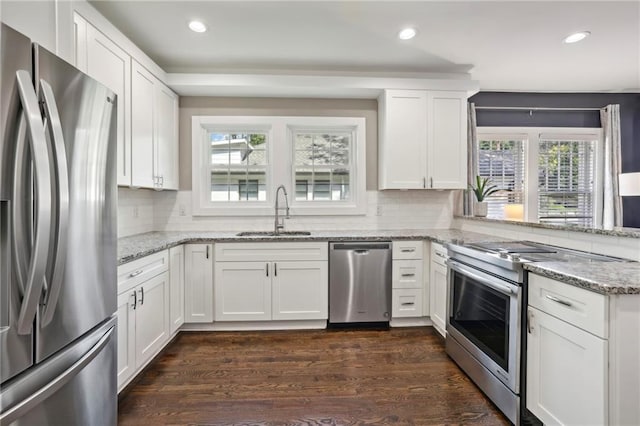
point(503, 253)
point(515, 257)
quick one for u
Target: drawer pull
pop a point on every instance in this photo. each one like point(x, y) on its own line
point(560, 301)
point(441, 255)
point(408, 303)
point(408, 250)
point(136, 273)
point(135, 300)
point(408, 275)
point(141, 295)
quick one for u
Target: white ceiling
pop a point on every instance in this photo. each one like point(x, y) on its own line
point(505, 45)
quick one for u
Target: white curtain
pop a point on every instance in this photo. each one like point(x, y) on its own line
point(472, 156)
point(612, 208)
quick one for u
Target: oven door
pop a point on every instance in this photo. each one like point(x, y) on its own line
point(484, 317)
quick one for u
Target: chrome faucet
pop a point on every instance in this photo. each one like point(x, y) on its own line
point(279, 224)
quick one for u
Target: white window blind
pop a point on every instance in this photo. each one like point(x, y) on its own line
point(502, 161)
point(566, 181)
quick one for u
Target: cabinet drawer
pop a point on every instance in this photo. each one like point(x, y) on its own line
point(407, 302)
point(133, 273)
point(407, 249)
point(407, 274)
point(583, 308)
point(438, 254)
point(269, 252)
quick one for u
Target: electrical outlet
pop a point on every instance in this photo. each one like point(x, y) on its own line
point(136, 212)
point(182, 210)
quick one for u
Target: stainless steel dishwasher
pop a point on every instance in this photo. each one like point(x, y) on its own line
point(359, 282)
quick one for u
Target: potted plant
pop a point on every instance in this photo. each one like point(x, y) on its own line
point(482, 190)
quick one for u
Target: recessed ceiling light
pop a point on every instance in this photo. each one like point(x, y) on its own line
point(407, 34)
point(197, 26)
point(576, 37)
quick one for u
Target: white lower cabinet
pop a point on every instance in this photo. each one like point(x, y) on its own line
point(176, 285)
point(408, 280)
point(277, 281)
point(143, 315)
point(242, 291)
point(438, 288)
point(582, 355)
point(152, 317)
point(299, 290)
point(198, 283)
point(566, 372)
point(126, 336)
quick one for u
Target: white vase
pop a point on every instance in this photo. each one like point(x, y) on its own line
point(480, 209)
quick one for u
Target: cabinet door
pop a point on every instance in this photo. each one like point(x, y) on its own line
point(300, 290)
point(166, 136)
point(142, 105)
point(447, 156)
point(567, 372)
point(126, 336)
point(152, 317)
point(243, 291)
point(438, 288)
point(111, 66)
point(198, 283)
point(403, 130)
point(176, 292)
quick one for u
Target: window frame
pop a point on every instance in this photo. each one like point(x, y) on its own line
point(280, 167)
point(531, 137)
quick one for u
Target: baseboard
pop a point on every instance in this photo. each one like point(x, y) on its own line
point(410, 322)
point(256, 325)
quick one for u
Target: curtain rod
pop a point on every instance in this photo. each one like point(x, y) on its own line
point(537, 108)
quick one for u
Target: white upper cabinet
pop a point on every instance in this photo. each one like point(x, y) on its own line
point(147, 135)
point(154, 131)
point(104, 61)
point(422, 139)
point(403, 137)
point(447, 147)
point(166, 136)
point(142, 127)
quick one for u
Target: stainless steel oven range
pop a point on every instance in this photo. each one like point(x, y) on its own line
point(486, 295)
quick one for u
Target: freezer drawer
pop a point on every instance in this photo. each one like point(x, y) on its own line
point(77, 386)
point(359, 282)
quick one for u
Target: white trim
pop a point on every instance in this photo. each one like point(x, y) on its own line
point(531, 136)
point(256, 325)
point(280, 164)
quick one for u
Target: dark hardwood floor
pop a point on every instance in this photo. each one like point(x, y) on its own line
point(323, 377)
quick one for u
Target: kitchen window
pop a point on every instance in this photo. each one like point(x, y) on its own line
point(547, 175)
point(239, 161)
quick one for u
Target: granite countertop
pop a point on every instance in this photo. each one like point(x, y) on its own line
point(137, 246)
point(619, 277)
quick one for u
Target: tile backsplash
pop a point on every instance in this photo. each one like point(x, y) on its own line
point(145, 210)
point(135, 211)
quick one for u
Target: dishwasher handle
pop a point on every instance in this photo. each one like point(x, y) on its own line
point(361, 247)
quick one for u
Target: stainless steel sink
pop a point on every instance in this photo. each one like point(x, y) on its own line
point(272, 234)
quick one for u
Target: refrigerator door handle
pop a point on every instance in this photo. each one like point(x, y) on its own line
point(17, 411)
point(62, 202)
point(39, 151)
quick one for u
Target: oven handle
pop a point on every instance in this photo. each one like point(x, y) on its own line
point(504, 289)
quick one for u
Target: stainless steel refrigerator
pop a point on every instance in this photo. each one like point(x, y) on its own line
point(57, 241)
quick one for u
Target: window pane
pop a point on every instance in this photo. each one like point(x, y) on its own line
point(502, 161)
point(322, 165)
point(565, 182)
point(340, 185)
point(238, 162)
